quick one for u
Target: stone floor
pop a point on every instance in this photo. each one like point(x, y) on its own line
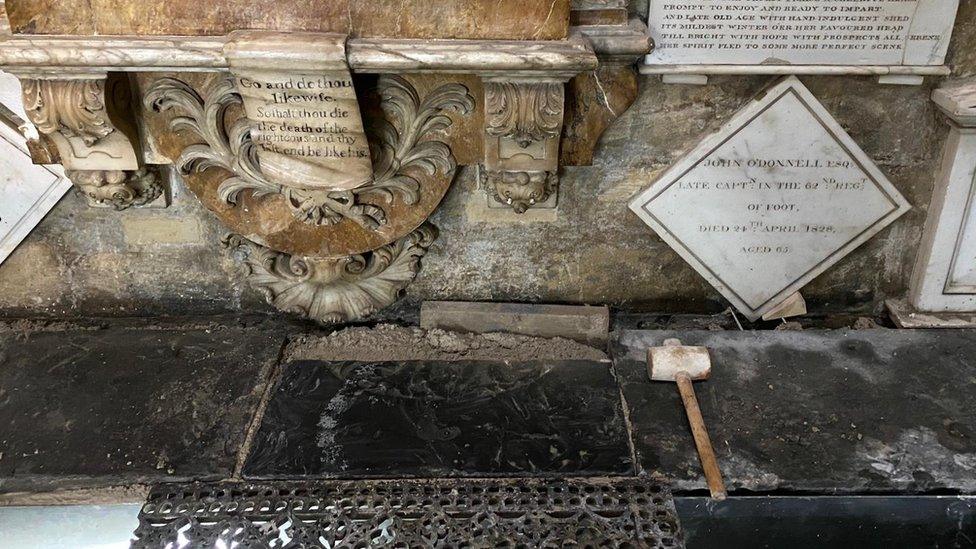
point(103, 405)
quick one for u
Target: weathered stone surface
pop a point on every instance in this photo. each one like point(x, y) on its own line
point(149, 261)
point(477, 418)
point(148, 401)
point(838, 411)
point(594, 100)
point(586, 252)
point(512, 19)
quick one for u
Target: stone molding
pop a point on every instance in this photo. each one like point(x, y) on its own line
point(944, 277)
point(372, 259)
point(59, 55)
point(618, 44)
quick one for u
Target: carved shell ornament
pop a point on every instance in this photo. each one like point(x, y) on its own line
point(335, 290)
point(404, 154)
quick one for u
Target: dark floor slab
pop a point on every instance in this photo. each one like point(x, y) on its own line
point(125, 403)
point(354, 419)
point(819, 411)
point(864, 522)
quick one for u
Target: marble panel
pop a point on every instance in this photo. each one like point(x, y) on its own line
point(774, 198)
point(787, 32)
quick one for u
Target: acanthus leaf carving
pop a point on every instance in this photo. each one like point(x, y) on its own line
point(338, 289)
point(524, 111)
point(73, 108)
point(406, 152)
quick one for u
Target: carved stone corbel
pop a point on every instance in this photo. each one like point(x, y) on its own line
point(523, 123)
point(96, 146)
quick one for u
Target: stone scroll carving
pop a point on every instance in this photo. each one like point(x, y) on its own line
point(99, 158)
point(335, 290)
point(298, 91)
point(74, 109)
point(523, 122)
point(406, 151)
point(404, 155)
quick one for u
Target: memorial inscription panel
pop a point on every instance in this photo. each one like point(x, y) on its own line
point(299, 93)
point(811, 32)
point(772, 200)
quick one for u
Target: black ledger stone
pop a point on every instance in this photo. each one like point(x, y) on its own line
point(474, 418)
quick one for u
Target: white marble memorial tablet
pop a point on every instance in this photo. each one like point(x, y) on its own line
point(809, 32)
point(772, 200)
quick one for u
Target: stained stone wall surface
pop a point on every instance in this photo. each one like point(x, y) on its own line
point(81, 261)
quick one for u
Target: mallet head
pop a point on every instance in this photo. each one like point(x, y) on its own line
point(664, 363)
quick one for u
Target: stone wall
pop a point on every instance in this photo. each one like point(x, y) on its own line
point(83, 261)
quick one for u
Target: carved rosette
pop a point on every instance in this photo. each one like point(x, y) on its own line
point(407, 151)
point(523, 125)
point(335, 290)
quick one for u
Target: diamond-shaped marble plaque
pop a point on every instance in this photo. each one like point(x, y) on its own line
point(773, 199)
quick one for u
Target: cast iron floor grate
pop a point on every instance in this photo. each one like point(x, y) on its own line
point(475, 513)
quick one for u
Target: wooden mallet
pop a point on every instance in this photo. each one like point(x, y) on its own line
point(677, 363)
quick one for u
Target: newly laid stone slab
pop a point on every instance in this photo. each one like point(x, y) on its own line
point(773, 199)
point(589, 325)
point(475, 418)
point(95, 405)
point(813, 411)
point(944, 279)
point(813, 32)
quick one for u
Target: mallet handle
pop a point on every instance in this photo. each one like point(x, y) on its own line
point(705, 452)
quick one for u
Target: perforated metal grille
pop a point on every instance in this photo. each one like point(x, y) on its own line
point(613, 512)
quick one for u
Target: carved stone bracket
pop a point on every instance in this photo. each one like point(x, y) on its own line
point(523, 123)
point(335, 290)
point(75, 119)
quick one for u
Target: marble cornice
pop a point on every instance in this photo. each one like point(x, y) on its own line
point(63, 55)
